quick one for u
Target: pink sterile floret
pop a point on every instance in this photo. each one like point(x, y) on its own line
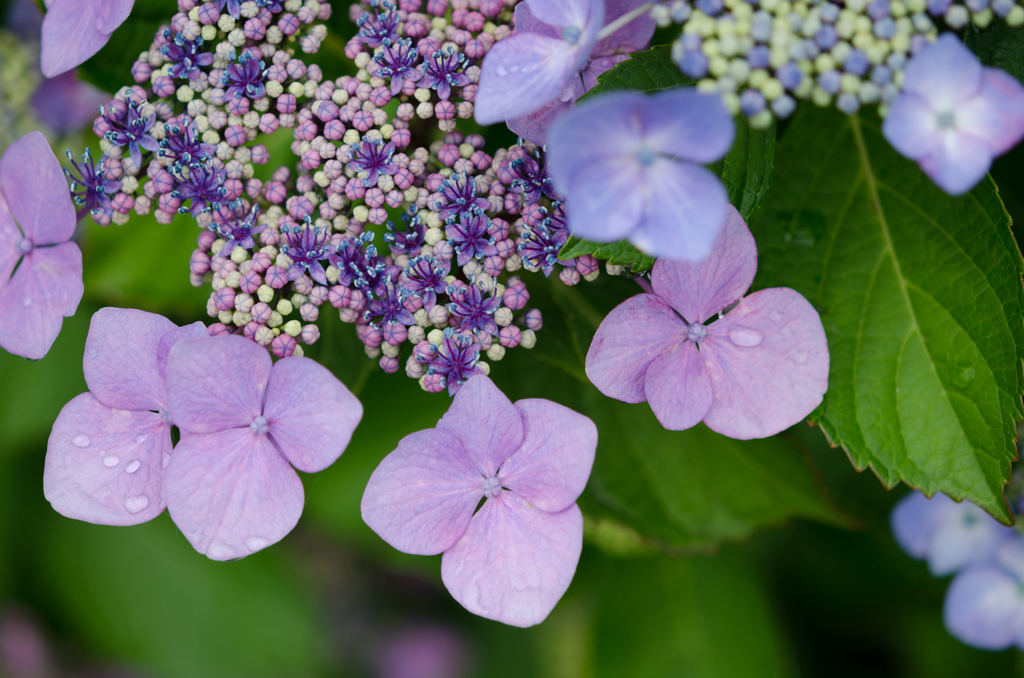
point(514, 558)
point(108, 448)
point(245, 423)
point(751, 373)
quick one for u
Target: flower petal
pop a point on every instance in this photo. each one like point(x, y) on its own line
point(678, 387)
point(74, 30)
point(522, 73)
point(231, 493)
point(121, 358)
point(568, 13)
point(958, 162)
point(534, 126)
point(683, 213)
point(768, 360)
point(311, 414)
point(9, 237)
point(216, 383)
point(551, 467)
point(515, 561)
point(945, 73)
point(45, 289)
point(699, 291)
point(526, 22)
point(913, 521)
point(105, 465)
point(984, 608)
point(996, 114)
point(632, 37)
point(196, 330)
point(486, 422)
point(36, 190)
point(911, 126)
point(687, 124)
point(421, 497)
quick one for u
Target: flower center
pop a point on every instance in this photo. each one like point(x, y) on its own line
point(164, 417)
point(645, 156)
point(696, 332)
point(491, 487)
point(24, 246)
point(571, 34)
point(945, 120)
point(259, 425)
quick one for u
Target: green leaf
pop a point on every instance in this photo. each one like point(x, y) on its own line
point(143, 595)
point(745, 170)
point(693, 489)
point(920, 295)
point(999, 46)
point(692, 617)
point(110, 69)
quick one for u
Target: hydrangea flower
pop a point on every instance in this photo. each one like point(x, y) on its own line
point(985, 604)
point(108, 448)
point(949, 535)
point(245, 422)
point(528, 69)
point(37, 221)
point(751, 373)
point(629, 167)
point(608, 52)
point(954, 115)
point(514, 558)
point(74, 30)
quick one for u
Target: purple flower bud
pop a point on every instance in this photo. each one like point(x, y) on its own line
point(533, 319)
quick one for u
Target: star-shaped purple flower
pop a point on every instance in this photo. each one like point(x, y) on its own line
point(608, 52)
point(514, 558)
point(526, 70)
point(759, 369)
point(306, 246)
point(202, 184)
point(186, 57)
point(184, 144)
point(475, 310)
point(409, 241)
point(954, 115)
point(455, 360)
point(442, 71)
point(459, 192)
point(108, 448)
point(542, 241)
point(37, 222)
point(398, 61)
point(375, 28)
point(629, 166)
point(238, 231)
point(425, 278)
point(245, 422)
point(91, 189)
point(389, 308)
point(373, 156)
point(128, 127)
point(74, 30)
point(470, 238)
point(244, 79)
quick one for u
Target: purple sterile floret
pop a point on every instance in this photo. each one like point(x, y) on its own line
point(425, 278)
point(185, 56)
point(389, 307)
point(751, 373)
point(954, 115)
point(373, 156)
point(306, 246)
point(90, 189)
point(410, 240)
point(528, 461)
point(74, 31)
point(183, 143)
point(470, 238)
point(531, 178)
point(397, 61)
point(459, 192)
point(984, 606)
point(542, 243)
point(232, 7)
point(456, 360)
point(474, 308)
point(375, 28)
point(442, 72)
point(245, 79)
point(202, 184)
point(128, 127)
point(237, 231)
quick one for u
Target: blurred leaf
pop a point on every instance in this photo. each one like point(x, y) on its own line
point(920, 295)
point(650, 71)
point(619, 253)
point(746, 169)
point(143, 595)
point(111, 68)
point(692, 617)
point(998, 45)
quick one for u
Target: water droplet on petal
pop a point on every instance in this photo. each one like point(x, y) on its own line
point(218, 550)
point(744, 336)
point(27, 301)
point(775, 316)
point(799, 356)
point(133, 466)
point(501, 71)
point(256, 543)
point(137, 503)
point(139, 438)
point(111, 461)
point(81, 440)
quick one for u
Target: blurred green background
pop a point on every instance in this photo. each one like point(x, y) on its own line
point(728, 583)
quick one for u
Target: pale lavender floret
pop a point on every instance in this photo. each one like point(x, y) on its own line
point(525, 71)
point(954, 115)
point(608, 52)
point(514, 558)
point(949, 535)
point(108, 448)
point(985, 604)
point(629, 166)
point(245, 421)
point(757, 370)
point(74, 30)
point(37, 222)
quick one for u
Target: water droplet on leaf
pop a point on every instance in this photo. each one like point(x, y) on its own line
point(744, 336)
point(133, 466)
point(111, 461)
point(137, 503)
point(81, 440)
